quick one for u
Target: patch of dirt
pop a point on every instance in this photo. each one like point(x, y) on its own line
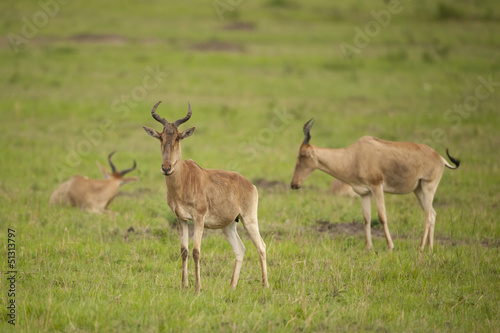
point(240, 26)
point(95, 38)
point(216, 46)
point(356, 228)
point(490, 242)
point(443, 240)
point(111, 39)
point(353, 228)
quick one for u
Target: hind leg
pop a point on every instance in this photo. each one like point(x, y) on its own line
point(233, 238)
point(252, 227)
point(425, 195)
point(378, 194)
point(366, 205)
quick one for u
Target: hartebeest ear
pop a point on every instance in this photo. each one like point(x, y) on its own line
point(104, 172)
point(152, 132)
point(187, 133)
point(128, 180)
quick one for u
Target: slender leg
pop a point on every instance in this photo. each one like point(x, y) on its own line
point(198, 234)
point(378, 193)
point(431, 231)
point(366, 205)
point(425, 195)
point(252, 227)
point(182, 230)
point(233, 238)
point(420, 196)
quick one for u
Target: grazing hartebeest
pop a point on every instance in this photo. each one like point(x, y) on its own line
point(211, 198)
point(93, 195)
point(373, 166)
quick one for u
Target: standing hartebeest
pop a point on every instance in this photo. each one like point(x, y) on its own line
point(92, 195)
point(373, 166)
point(211, 198)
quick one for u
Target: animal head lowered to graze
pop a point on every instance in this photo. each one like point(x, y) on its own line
point(93, 195)
point(211, 198)
point(372, 166)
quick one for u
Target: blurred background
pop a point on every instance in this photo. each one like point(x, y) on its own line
point(79, 79)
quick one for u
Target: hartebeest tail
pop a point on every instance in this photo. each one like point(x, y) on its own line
point(213, 199)
point(373, 166)
point(92, 195)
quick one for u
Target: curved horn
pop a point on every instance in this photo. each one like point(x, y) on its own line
point(159, 119)
point(186, 118)
point(113, 169)
point(122, 173)
point(307, 129)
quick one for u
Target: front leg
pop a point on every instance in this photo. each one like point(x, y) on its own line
point(182, 230)
point(198, 234)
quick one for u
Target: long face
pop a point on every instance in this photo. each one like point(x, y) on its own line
point(306, 163)
point(170, 140)
point(307, 160)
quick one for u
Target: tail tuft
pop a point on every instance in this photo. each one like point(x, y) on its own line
point(453, 160)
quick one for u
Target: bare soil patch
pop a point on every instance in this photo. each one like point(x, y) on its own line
point(96, 38)
point(356, 228)
point(353, 228)
point(216, 46)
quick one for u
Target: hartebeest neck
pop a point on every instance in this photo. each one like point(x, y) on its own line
point(336, 162)
point(175, 180)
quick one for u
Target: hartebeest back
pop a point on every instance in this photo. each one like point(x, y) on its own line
point(92, 195)
point(212, 199)
point(373, 166)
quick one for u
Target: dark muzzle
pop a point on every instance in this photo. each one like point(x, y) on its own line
point(166, 171)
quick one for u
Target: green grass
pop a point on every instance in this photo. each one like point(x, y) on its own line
point(65, 103)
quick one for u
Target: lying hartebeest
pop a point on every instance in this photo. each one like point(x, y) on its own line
point(212, 199)
point(373, 166)
point(340, 188)
point(92, 195)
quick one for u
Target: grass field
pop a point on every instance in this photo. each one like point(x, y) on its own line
point(78, 80)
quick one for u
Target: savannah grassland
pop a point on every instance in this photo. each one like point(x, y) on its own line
point(83, 84)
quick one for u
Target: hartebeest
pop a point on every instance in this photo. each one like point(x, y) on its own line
point(211, 198)
point(92, 195)
point(340, 188)
point(373, 166)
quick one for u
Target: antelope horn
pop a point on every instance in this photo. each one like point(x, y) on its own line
point(122, 173)
point(159, 119)
point(307, 129)
point(113, 169)
point(186, 118)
